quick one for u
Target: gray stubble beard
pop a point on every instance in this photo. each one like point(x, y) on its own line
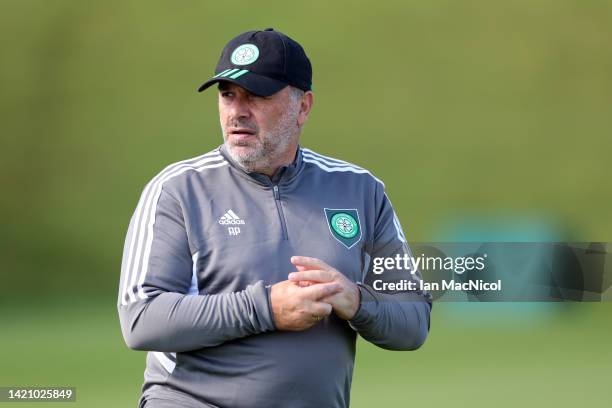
point(273, 144)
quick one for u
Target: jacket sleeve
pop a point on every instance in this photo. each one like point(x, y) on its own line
point(394, 320)
point(159, 306)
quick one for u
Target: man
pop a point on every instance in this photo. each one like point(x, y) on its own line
point(247, 271)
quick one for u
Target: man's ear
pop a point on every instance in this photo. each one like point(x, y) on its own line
point(305, 107)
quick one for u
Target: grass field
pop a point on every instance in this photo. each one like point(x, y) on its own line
point(469, 111)
point(559, 358)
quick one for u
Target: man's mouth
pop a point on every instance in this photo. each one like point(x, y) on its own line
point(241, 132)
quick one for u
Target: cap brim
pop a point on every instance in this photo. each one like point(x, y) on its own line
point(254, 83)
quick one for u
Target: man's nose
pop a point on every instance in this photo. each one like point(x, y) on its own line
point(240, 107)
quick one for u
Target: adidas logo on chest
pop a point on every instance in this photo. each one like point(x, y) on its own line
point(230, 218)
point(233, 221)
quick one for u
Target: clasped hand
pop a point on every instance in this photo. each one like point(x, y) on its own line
point(312, 293)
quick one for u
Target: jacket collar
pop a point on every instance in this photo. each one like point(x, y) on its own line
point(283, 175)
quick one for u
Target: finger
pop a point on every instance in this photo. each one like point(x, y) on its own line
point(312, 275)
point(320, 309)
point(321, 290)
point(328, 299)
point(310, 263)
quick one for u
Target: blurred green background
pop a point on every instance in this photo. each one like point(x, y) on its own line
point(480, 110)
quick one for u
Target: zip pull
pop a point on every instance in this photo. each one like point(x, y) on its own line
point(279, 209)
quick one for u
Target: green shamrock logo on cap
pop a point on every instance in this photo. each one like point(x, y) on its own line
point(245, 54)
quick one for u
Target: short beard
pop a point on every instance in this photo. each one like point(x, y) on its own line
point(273, 144)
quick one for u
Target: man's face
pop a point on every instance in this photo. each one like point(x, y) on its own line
point(259, 132)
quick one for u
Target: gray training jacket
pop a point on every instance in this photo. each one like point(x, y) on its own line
point(205, 243)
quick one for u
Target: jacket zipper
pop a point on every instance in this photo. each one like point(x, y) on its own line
point(279, 208)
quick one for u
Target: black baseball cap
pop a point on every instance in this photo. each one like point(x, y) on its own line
point(263, 63)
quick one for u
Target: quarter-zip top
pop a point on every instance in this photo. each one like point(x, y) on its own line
point(206, 242)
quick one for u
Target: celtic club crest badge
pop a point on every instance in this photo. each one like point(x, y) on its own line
point(245, 54)
point(344, 225)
